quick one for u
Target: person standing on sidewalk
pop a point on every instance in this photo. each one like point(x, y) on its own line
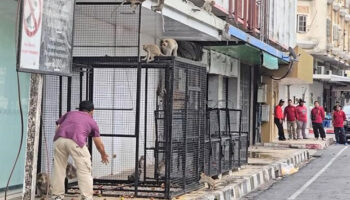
point(301, 115)
point(73, 129)
point(338, 123)
point(279, 120)
point(290, 115)
point(317, 117)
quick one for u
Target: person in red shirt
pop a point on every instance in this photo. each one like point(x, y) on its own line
point(301, 115)
point(279, 120)
point(338, 123)
point(290, 115)
point(317, 117)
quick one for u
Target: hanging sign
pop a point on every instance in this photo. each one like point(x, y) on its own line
point(45, 36)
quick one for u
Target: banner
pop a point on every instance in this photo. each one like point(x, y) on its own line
point(46, 36)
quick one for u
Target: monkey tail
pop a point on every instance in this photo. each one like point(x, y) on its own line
point(163, 23)
point(115, 9)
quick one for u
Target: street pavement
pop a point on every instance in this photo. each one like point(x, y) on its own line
point(324, 178)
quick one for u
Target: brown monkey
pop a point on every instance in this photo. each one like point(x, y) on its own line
point(169, 47)
point(131, 177)
point(133, 4)
point(159, 6)
point(161, 169)
point(71, 172)
point(208, 5)
point(152, 51)
point(43, 185)
point(225, 32)
point(207, 180)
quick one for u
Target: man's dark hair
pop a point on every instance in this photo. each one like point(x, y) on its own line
point(335, 108)
point(289, 100)
point(316, 102)
point(86, 106)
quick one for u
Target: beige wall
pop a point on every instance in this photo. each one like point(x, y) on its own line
point(268, 129)
point(316, 22)
point(317, 13)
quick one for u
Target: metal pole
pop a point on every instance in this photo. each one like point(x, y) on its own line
point(145, 130)
point(138, 98)
point(90, 83)
point(185, 133)
point(60, 97)
point(169, 81)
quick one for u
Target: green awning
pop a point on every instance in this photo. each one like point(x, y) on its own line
point(269, 61)
point(248, 55)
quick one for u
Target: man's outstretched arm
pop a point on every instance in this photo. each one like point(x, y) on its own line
point(101, 148)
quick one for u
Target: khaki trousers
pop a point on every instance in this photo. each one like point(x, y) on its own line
point(82, 159)
point(291, 127)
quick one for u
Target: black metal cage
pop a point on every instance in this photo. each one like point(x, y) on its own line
point(153, 117)
point(166, 156)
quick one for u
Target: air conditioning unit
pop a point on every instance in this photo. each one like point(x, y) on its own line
point(321, 70)
point(329, 27)
point(343, 12)
point(336, 6)
point(335, 32)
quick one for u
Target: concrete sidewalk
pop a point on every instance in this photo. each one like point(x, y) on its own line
point(265, 164)
point(303, 144)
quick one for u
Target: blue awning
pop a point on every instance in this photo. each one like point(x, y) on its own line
point(241, 35)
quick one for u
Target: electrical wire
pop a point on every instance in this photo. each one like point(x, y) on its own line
point(286, 74)
point(19, 3)
point(22, 135)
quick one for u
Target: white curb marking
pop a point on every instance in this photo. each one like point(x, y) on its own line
point(307, 184)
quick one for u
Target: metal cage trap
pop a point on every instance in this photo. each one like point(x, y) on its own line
point(153, 117)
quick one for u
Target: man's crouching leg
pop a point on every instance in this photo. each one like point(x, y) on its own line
point(82, 160)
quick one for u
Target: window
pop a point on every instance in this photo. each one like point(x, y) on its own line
point(301, 23)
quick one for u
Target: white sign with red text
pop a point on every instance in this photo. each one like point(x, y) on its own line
point(31, 34)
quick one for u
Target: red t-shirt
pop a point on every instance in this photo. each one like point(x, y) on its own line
point(338, 119)
point(317, 115)
point(290, 113)
point(301, 113)
point(278, 112)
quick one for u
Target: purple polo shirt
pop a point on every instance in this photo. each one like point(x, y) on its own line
point(78, 126)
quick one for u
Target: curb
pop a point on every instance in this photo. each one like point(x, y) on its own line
point(317, 146)
point(243, 185)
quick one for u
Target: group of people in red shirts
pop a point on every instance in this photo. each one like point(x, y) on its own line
point(296, 117)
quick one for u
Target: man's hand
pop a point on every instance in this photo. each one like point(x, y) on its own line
point(104, 158)
point(101, 148)
point(281, 121)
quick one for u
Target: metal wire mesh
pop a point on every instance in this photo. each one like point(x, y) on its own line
point(105, 29)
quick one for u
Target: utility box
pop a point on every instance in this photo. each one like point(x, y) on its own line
point(265, 113)
point(262, 94)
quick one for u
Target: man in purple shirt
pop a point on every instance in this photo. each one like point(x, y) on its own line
point(70, 139)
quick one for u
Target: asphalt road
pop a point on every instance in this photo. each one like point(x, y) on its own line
point(324, 178)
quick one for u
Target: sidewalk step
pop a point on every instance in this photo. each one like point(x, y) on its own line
point(235, 186)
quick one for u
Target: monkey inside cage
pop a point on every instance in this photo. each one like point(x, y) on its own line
point(165, 157)
point(151, 115)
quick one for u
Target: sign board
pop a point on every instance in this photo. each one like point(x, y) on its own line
point(269, 61)
point(45, 36)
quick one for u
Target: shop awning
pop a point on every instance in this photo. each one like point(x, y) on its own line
point(332, 78)
point(254, 42)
